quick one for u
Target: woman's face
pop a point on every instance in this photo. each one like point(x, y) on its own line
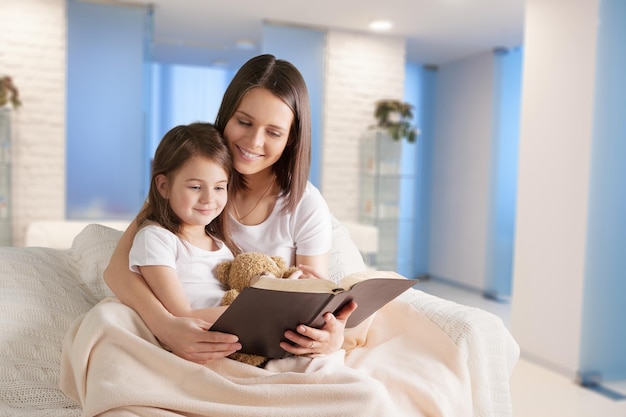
point(258, 131)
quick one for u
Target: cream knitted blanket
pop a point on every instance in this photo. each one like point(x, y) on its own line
point(402, 365)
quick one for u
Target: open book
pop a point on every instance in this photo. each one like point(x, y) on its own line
point(262, 313)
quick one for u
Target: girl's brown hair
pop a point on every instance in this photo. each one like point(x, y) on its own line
point(178, 146)
point(283, 80)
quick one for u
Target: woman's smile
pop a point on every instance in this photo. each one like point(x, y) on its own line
point(247, 154)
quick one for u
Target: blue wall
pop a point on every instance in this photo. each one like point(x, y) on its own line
point(106, 110)
point(507, 101)
point(287, 42)
point(419, 90)
point(603, 336)
point(420, 87)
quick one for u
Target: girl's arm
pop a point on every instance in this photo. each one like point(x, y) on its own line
point(186, 337)
point(129, 287)
point(165, 284)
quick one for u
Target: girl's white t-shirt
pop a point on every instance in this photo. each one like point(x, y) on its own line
point(195, 267)
point(304, 231)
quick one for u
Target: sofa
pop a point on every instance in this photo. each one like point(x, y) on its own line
point(43, 290)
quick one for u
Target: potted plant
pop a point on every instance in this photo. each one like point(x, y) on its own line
point(9, 93)
point(395, 117)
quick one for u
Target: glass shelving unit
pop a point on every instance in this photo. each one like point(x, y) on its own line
point(387, 199)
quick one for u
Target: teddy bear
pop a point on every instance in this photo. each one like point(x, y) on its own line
point(238, 274)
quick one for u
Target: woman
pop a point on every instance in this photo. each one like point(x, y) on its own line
point(265, 120)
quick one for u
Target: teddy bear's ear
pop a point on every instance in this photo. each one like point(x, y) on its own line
point(223, 271)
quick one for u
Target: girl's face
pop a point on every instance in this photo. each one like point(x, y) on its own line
point(197, 192)
point(258, 131)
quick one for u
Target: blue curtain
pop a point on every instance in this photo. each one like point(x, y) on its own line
point(107, 105)
point(503, 174)
point(603, 336)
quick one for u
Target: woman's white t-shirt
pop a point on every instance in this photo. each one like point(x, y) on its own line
point(195, 267)
point(305, 231)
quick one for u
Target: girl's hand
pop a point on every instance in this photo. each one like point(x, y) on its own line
point(326, 340)
point(190, 339)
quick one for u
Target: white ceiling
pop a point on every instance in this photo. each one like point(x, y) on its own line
point(202, 32)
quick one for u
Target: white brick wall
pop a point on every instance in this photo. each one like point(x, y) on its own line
point(360, 69)
point(33, 53)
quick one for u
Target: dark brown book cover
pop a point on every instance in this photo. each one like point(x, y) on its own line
point(260, 316)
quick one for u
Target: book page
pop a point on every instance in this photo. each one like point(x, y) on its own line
point(349, 280)
point(321, 285)
point(312, 285)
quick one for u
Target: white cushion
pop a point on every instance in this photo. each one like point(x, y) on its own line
point(92, 249)
point(345, 258)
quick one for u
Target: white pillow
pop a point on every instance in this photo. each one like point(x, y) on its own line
point(92, 249)
point(344, 257)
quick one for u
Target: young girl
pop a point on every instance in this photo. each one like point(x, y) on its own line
point(182, 233)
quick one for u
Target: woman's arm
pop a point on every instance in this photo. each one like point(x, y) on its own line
point(186, 337)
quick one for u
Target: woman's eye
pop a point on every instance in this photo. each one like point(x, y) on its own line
point(244, 122)
point(274, 133)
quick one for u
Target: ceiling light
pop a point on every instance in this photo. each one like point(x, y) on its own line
point(245, 44)
point(380, 25)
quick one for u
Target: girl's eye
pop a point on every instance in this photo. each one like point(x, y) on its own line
point(195, 187)
point(244, 122)
point(274, 133)
point(220, 188)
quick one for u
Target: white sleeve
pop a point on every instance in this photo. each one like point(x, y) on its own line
point(153, 245)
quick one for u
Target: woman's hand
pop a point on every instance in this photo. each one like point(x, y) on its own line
point(190, 339)
point(326, 340)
